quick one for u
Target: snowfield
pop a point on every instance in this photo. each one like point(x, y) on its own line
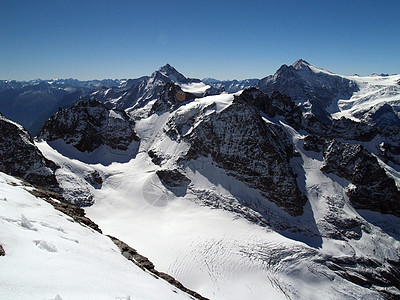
point(374, 91)
point(49, 256)
point(219, 253)
point(194, 87)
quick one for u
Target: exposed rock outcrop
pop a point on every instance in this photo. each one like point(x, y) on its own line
point(339, 128)
point(174, 181)
point(144, 263)
point(371, 187)
point(94, 178)
point(170, 98)
point(61, 204)
point(89, 124)
point(383, 277)
point(251, 150)
point(277, 104)
point(20, 157)
point(314, 143)
point(172, 178)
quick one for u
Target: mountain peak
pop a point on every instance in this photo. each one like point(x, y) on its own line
point(167, 69)
point(170, 72)
point(300, 63)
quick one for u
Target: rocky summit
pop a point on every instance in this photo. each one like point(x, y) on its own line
point(20, 157)
point(250, 149)
point(371, 187)
point(89, 124)
point(302, 81)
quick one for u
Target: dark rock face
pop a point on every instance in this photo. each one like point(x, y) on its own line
point(372, 188)
point(257, 153)
point(383, 115)
point(383, 277)
point(277, 104)
point(170, 98)
point(390, 151)
point(2, 252)
point(89, 124)
point(155, 158)
point(314, 143)
point(94, 178)
point(351, 130)
point(75, 212)
point(20, 157)
point(172, 178)
point(132, 255)
point(174, 181)
point(340, 128)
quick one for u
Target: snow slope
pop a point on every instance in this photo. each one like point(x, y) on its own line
point(49, 256)
point(217, 252)
point(373, 91)
point(195, 87)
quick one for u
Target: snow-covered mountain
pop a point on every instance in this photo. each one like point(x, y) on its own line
point(305, 83)
point(136, 93)
point(246, 195)
point(328, 95)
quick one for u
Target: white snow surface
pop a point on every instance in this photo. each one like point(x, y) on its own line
point(373, 91)
point(49, 256)
point(195, 87)
point(116, 115)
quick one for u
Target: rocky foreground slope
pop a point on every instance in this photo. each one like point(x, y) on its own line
point(50, 250)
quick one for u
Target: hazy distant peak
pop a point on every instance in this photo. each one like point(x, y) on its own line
point(300, 63)
point(167, 67)
point(170, 72)
point(210, 80)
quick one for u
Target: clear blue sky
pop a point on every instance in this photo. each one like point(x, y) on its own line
point(220, 39)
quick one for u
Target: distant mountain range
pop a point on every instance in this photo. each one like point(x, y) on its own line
point(30, 103)
point(231, 86)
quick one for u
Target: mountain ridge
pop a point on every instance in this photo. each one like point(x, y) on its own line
point(123, 94)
